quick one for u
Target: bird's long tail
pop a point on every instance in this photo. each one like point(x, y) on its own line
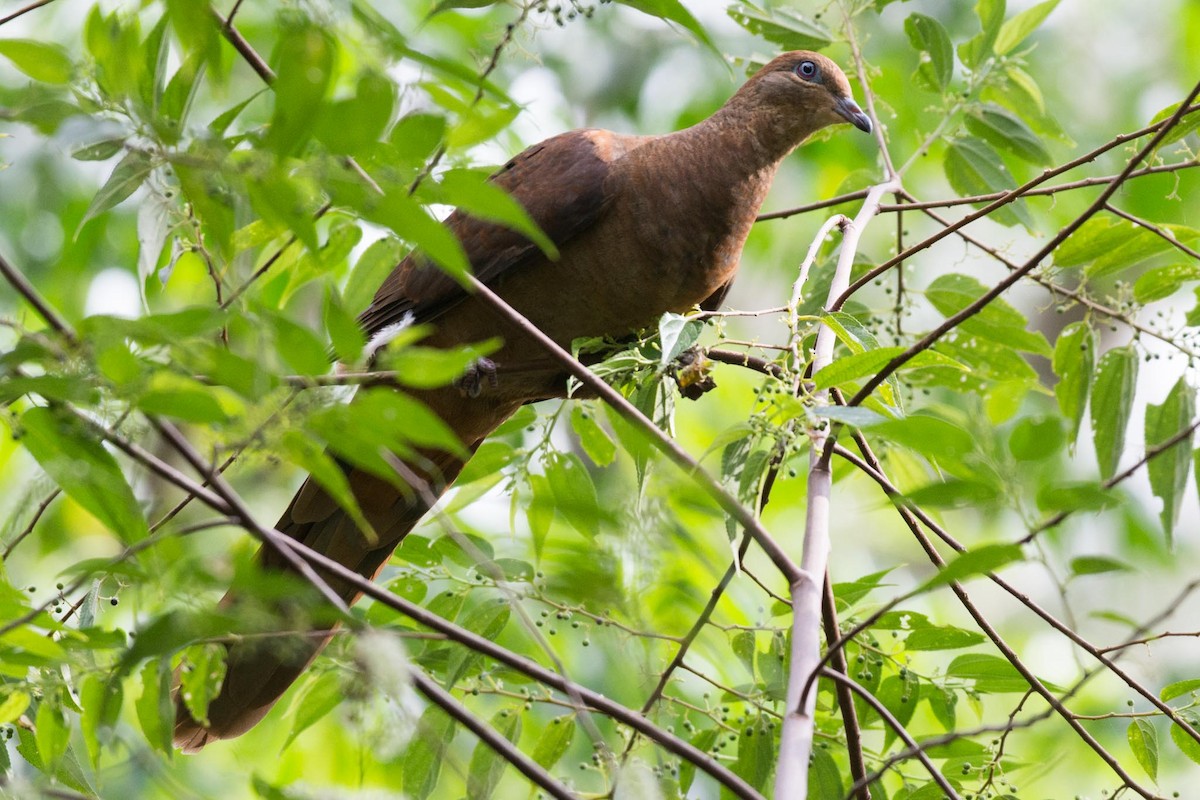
point(260, 669)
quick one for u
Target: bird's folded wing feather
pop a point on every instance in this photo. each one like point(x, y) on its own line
point(565, 184)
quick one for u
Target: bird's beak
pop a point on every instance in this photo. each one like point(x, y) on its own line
point(849, 109)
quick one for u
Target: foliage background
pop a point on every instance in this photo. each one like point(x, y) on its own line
point(646, 551)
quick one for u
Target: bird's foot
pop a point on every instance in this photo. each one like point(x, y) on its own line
point(471, 383)
point(691, 371)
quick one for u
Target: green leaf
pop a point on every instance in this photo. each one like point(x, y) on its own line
point(930, 436)
point(369, 272)
point(1179, 689)
point(416, 136)
point(676, 334)
point(1096, 237)
point(1107, 247)
point(594, 440)
point(446, 5)
point(41, 61)
point(941, 638)
point(1003, 129)
point(322, 694)
point(155, 711)
point(1189, 123)
point(1014, 30)
point(870, 362)
point(997, 321)
point(978, 49)
point(99, 151)
point(1186, 744)
point(1096, 565)
point(991, 674)
point(555, 741)
point(824, 777)
point(929, 38)
point(13, 705)
point(1112, 403)
point(423, 761)
point(347, 126)
point(79, 464)
point(129, 174)
point(974, 168)
point(344, 333)
point(1155, 284)
point(304, 59)
point(1036, 438)
point(300, 348)
point(1074, 361)
point(173, 395)
point(53, 733)
point(201, 683)
point(978, 561)
point(100, 699)
point(574, 492)
point(1076, 496)
point(304, 452)
point(487, 766)
point(1143, 741)
point(471, 191)
point(755, 755)
point(409, 220)
point(1169, 470)
point(673, 11)
point(782, 26)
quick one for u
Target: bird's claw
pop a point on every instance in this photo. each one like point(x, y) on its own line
point(472, 381)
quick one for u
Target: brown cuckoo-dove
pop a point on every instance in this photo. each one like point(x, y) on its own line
point(643, 225)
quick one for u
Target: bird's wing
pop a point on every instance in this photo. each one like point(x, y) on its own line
point(565, 185)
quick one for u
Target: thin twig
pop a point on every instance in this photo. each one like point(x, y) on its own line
point(895, 725)
point(491, 737)
point(28, 529)
point(24, 10)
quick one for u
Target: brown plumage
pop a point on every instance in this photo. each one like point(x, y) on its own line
point(644, 225)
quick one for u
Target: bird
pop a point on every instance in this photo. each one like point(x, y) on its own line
point(643, 225)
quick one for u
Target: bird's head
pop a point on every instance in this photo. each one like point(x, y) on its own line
point(804, 91)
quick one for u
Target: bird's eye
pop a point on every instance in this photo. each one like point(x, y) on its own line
point(806, 70)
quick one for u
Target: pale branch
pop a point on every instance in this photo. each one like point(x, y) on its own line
point(491, 737)
point(887, 716)
point(796, 738)
point(976, 306)
point(844, 694)
point(1159, 129)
